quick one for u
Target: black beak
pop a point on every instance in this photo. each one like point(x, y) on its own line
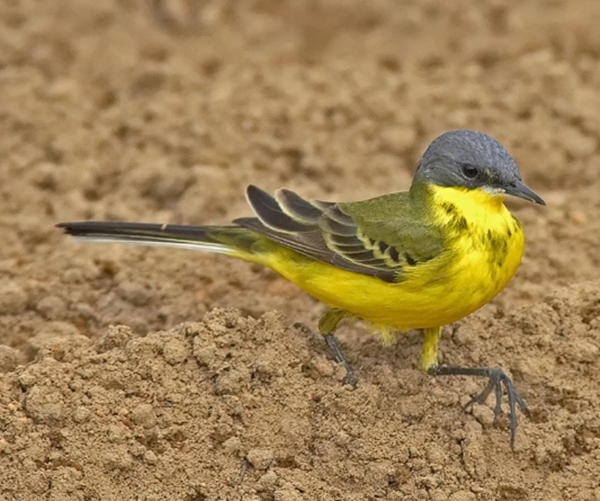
point(518, 189)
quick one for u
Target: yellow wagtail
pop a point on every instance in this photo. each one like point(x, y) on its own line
point(413, 260)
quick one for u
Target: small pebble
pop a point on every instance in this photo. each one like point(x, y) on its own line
point(116, 337)
point(267, 482)
point(232, 445)
point(175, 350)
point(81, 414)
point(261, 459)
point(118, 461)
point(144, 415)
point(150, 457)
point(232, 381)
point(204, 352)
point(323, 366)
point(484, 415)
point(44, 404)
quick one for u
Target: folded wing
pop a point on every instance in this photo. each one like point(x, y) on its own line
point(326, 232)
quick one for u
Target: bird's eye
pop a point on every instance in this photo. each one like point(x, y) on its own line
point(470, 171)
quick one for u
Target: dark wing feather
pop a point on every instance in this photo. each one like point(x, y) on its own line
point(300, 209)
point(320, 230)
point(343, 236)
point(270, 212)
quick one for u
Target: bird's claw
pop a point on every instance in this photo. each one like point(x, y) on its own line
point(350, 379)
point(497, 379)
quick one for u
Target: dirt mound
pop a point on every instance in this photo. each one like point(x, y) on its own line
point(233, 407)
point(139, 110)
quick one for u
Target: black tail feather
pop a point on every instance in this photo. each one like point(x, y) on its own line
point(209, 238)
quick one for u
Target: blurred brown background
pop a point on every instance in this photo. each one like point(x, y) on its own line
point(163, 111)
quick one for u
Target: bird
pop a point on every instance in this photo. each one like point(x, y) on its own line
point(418, 259)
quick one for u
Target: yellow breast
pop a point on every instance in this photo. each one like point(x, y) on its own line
point(484, 249)
point(486, 243)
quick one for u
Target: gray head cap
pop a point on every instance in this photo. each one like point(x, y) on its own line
point(472, 160)
point(447, 157)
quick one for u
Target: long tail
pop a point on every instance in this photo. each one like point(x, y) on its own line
point(231, 240)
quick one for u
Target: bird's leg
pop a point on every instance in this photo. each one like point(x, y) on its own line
point(497, 378)
point(327, 326)
point(429, 357)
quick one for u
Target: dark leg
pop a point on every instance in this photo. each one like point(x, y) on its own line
point(497, 379)
point(327, 326)
point(338, 355)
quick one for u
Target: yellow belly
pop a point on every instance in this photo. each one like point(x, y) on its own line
point(476, 266)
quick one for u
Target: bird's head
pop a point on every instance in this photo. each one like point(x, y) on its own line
point(473, 161)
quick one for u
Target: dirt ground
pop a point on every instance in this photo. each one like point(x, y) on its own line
point(147, 374)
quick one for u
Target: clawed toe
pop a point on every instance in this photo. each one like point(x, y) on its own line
point(350, 379)
point(481, 397)
point(497, 379)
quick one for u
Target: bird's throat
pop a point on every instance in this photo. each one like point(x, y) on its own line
point(473, 203)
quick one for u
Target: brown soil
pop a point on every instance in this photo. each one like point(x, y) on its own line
point(126, 372)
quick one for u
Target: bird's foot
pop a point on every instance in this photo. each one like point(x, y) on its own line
point(350, 378)
point(338, 355)
point(497, 378)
